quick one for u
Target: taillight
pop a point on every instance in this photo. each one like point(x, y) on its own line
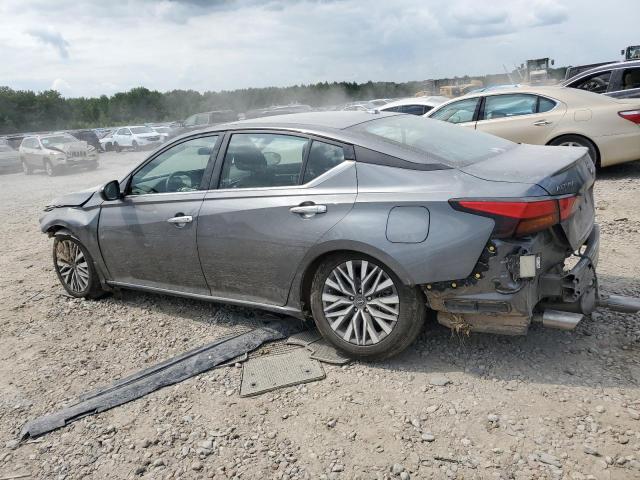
point(518, 218)
point(631, 115)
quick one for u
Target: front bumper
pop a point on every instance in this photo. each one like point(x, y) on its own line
point(497, 299)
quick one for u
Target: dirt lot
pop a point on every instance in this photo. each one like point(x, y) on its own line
point(549, 405)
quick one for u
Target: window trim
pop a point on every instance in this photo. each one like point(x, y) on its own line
point(205, 176)
point(216, 177)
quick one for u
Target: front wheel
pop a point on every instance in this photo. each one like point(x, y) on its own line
point(26, 168)
point(362, 308)
point(117, 147)
point(75, 269)
point(49, 168)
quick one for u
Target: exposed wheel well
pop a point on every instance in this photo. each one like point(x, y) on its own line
point(307, 276)
point(597, 159)
point(55, 229)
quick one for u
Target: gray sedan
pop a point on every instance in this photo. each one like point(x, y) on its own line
point(361, 221)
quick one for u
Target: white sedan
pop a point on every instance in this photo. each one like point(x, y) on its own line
point(413, 105)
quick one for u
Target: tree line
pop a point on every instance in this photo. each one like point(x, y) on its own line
point(28, 111)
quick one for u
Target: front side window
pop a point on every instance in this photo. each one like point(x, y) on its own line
point(179, 169)
point(631, 78)
point(458, 112)
point(202, 119)
point(597, 83)
point(501, 106)
point(123, 131)
point(258, 160)
point(190, 122)
point(322, 158)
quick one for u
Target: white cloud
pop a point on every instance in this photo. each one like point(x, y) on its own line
point(104, 47)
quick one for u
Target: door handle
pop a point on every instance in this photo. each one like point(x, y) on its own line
point(542, 123)
point(308, 210)
point(180, 220)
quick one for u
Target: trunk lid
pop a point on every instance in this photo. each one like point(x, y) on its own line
point(560, 171)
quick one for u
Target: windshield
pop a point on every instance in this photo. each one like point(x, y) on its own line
point(432, 141)
point(161, 129)
point(141, 130)
point(57, 140)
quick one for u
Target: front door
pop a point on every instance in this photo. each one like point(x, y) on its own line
point(520, 117)
point(149, 237)
point(278, 194)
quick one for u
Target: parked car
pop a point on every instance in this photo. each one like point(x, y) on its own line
point(9, 158)
point(205, 119)
point(106, 140)
point(277, 110)
point(618, 80)
point(55, 152)
point(413, 105)
point(359, 220)
point(135, 137)
point(165, 133)
point(88, 136)
point(608, 127)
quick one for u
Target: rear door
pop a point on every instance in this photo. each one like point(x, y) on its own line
point(520, 117)
point(148, 239)
point(627, 83)
point(275, 195)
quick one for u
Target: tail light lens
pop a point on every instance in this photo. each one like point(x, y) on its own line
point(519, 218)
point(631, 115)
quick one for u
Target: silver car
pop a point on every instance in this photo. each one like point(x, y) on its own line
point(361, 221)
point(56, 152)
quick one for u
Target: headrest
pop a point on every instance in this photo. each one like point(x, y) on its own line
point(247, 158)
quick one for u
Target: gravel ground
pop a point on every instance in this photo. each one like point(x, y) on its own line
point(549, 405)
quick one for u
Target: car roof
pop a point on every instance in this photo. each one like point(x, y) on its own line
point(574, 96)
point(431, 101)
point(603, 68)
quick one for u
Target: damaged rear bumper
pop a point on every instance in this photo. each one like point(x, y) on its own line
point(515, 281)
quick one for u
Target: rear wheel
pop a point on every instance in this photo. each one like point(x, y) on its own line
point(117, 147)
point(578, 141)
point(75, 269)
point(135, 147)
point(49, 168)
point(362, 308)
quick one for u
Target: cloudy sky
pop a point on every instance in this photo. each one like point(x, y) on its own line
point(87, 48)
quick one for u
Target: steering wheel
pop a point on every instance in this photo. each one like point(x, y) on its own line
point(172, 184)
point(272, 158)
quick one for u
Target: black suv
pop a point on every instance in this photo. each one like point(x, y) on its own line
point(618, 80)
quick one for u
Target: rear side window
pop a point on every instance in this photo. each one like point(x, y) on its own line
point(631, 78)
point(501, 106)
point(322, 158)
point(427, 141)
point(596, 83)
point(415, 109)
point(545, 104)
point(458, 112)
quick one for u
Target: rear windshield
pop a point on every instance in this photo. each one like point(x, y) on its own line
point(425, 140)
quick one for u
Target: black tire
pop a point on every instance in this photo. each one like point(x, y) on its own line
point(93, 288)
point(26, 168)
point(50, 169)
point(411, 316)
point(117, 147)
point(577, 140)
point(107, 147)
point(134, 146)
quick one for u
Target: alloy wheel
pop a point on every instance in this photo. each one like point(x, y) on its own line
point(72, 265)
point(360, 302)
point(571, 144)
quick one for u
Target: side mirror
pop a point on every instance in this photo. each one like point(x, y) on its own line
point(622, 52)
point(111, 191)
point(204, 151)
